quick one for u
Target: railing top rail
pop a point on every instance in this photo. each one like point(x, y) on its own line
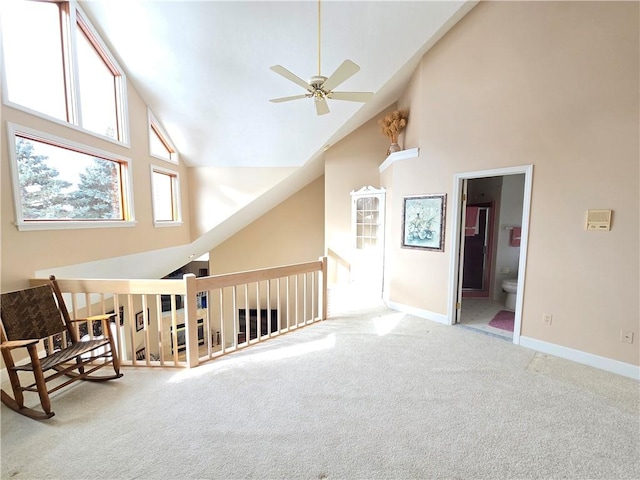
point(239, 278)
point(178, 286)
point(140, 286)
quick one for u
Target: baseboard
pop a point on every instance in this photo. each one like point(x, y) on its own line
point(436, 317)
point(603, 363)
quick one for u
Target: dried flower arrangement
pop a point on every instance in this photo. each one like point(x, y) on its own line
point(393, 124)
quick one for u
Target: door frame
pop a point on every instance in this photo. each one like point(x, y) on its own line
point(456, 226)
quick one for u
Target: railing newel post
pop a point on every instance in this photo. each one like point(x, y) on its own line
point(191, 320)
point(322, 299)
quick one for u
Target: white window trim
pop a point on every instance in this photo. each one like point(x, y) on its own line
point(121, 86)
point(178, 203)
point(153, 120)
point(127, 191)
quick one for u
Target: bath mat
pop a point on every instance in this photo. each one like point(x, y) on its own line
point(503, 320)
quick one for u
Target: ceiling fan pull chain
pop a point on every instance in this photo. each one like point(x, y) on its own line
point(319, 38)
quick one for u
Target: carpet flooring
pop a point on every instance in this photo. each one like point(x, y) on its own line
point(503, 320)
point(375, 394)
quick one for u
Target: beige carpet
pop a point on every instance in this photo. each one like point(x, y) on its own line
point(377, 394)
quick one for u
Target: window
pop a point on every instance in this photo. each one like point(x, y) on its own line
point(63, 72)
point(166, 197)
point(60, 184)
point(160, 145)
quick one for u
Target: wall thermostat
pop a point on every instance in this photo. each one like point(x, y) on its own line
point(599, 220)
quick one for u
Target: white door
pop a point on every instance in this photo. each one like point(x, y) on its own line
point(368, 240)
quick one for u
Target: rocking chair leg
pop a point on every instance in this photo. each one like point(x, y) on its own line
point(40, 381)
point(15, 386)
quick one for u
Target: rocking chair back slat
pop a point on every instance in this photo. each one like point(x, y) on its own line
point(31, 313)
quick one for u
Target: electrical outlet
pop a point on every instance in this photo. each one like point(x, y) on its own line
point(626, 336)
point(505, 270)
point(546, 318)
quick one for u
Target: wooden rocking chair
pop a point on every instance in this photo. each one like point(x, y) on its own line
point(38, 313)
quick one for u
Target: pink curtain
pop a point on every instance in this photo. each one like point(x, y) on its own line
point(516, 233)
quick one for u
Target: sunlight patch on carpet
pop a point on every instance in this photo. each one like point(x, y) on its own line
point(386, 323)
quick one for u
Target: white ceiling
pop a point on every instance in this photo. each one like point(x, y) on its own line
point(203, 68)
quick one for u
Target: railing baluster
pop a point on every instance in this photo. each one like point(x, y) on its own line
point(235, 316)
point(279, 305)
point(304, 299)
point(258, 313)
point(160, 326)
point(269, 329)
point(223, 346)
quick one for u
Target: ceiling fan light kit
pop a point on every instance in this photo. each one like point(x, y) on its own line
point(320, 87)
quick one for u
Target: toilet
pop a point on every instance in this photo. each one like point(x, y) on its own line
point(510, 285)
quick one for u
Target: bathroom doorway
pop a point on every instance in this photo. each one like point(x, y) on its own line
point(488, 205)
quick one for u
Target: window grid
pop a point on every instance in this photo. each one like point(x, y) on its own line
point(367, 222)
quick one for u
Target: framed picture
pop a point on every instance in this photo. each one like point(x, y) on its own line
point(140, 320)
point(423, 222)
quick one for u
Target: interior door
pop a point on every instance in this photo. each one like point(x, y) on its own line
point(367, 262)
point(463, 218)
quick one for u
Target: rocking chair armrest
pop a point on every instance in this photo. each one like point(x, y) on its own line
point(93, 318)
point(11, 344)
point(104, 318)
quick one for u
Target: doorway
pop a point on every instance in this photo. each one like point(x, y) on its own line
point(477, 283)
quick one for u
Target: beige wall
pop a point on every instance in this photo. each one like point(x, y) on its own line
point(554, 85)
point(350, 165)
point(292, 232)
point(24, 253)
point(217, 193)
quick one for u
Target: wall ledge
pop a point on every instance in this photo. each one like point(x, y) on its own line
point(401, 155)
point(578, 356)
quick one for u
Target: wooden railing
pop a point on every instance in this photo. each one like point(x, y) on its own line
point(186, 322)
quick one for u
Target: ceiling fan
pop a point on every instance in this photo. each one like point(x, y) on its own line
point(320, 87)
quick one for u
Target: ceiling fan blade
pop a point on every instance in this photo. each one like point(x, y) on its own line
point(279, 69)
point(286, 99)
point(351, 96)
point(321, 106)
point(344, 71)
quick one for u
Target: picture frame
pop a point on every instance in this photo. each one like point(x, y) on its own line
point(423, 221)
point(140, 320)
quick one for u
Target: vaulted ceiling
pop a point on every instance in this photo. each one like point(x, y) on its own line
point(203, 68)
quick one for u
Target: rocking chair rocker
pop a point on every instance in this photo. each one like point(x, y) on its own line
point(39, 313)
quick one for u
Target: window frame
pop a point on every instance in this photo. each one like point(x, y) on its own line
point(14, 130)
point(175, 175)
point(72, 15)
point(155, 127)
